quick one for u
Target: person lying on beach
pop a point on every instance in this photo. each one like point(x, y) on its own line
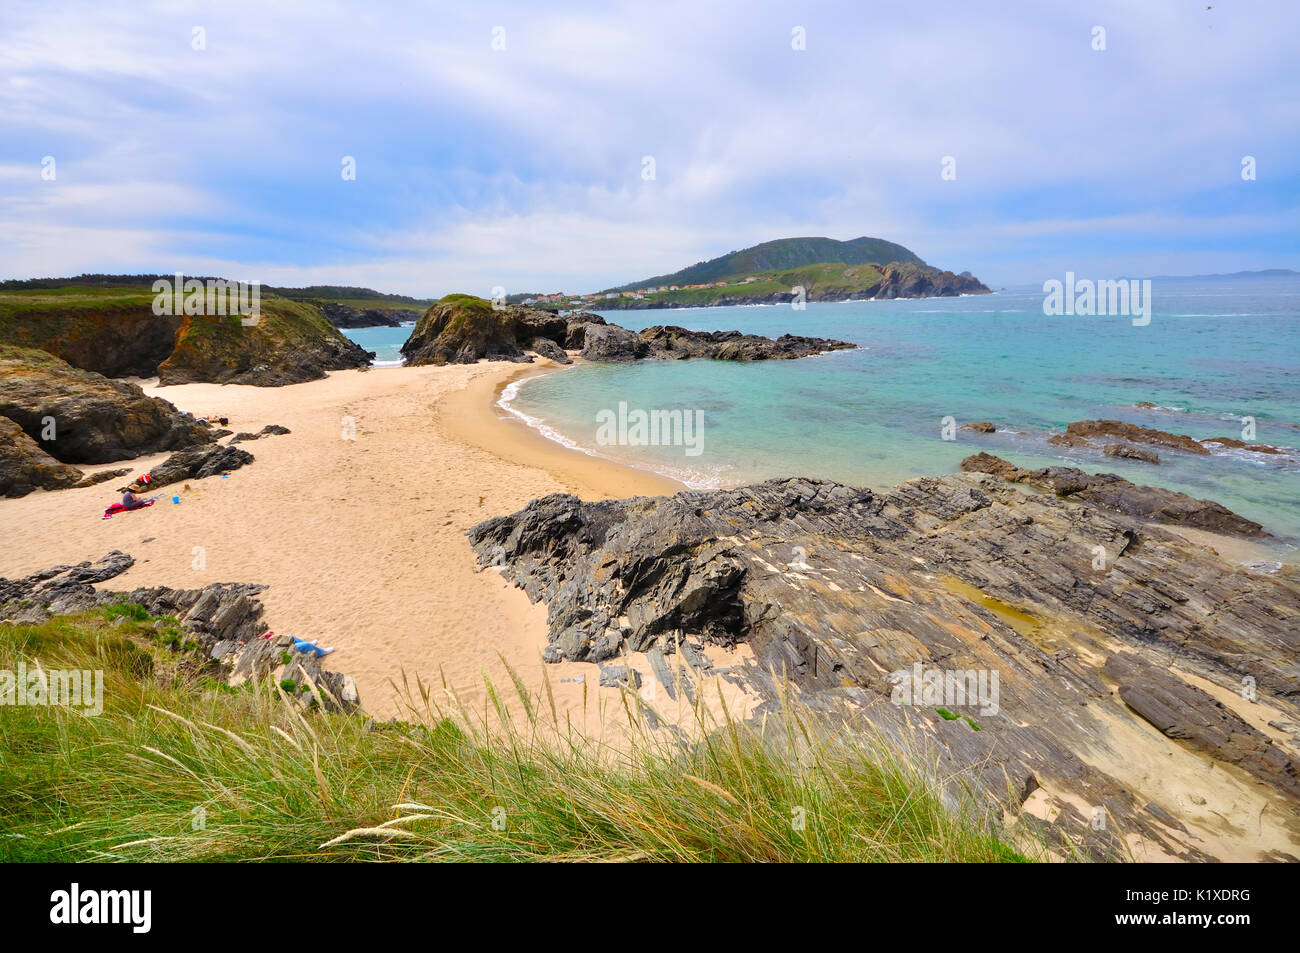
point(302, 645)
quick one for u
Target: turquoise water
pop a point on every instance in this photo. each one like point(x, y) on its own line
point(385, 342)
point(1214, 352)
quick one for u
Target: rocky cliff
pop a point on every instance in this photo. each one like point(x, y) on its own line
point(223, 619)
point(1114, 649)
point(79, 416)
point(462, 329)
point(117, 333)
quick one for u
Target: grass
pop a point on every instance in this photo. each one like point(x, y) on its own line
point(181, 768)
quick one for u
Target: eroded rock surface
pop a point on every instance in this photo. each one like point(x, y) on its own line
point(225, 619)
point(1113, 492)
point(843, 590)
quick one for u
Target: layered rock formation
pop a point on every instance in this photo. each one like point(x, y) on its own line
point(1086, 623)
point(24, 466)
point(225, 619)
point(122, 336)
point(82, 417)
point(462, 329)
point(344, 316)
point(1112, 492)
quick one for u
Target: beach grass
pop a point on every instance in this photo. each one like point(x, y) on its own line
point(181, 767)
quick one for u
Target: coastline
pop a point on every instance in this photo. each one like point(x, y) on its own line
point(362, 542)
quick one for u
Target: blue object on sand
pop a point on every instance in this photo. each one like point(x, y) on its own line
point(302, 645)
point(176, 499)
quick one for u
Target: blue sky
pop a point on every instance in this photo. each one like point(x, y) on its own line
point(522, 167)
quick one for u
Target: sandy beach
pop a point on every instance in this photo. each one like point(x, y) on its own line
point(361, 541)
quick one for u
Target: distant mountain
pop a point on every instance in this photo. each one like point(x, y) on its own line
point(1265, 273)
point(782, 255)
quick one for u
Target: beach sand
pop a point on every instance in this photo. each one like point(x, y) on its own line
point(362, 542)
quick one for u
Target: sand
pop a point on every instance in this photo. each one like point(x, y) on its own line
point(362, 542)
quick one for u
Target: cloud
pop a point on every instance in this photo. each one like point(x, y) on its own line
point(523, 166)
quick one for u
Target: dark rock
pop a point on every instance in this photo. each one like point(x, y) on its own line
point(25, 467)
point(982, 427)
point(344, 316)
point(198, 463)
point(545, 347)
point(1190, 715)
point(102, 476)
point(95, 420)
point(611, 343)
point(1126, 452)
point(267, 431)
point(1234, 444)
point(225, 619)
point(617, 676)
point(1112, 492)
point(1134, 434)
point(966, 573)
point(462, 329)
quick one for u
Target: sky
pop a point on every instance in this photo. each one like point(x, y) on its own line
point(571, 147)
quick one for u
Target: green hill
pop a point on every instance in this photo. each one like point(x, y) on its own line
point(782, 255)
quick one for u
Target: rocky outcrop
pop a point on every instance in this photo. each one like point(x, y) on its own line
point(907, 280)
point(1125, 452)
point(224, 619)
point(982, 426)
point(79, 416)
point(1232, 443)
point(270, 430)
point(1112, 492)
point(461, 329)
point(675, 343)
point(25, 467)
point(123, 336)
point(610, 343)
point(197, 463)
point(545, 347)
point(290, 344)
point(1085, 429)
point(344, 316)
point(851, 595)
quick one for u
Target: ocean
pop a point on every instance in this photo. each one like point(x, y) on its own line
point(1216, 354)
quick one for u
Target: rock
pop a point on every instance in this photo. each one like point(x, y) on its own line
point(344, 316)
point(291, 342)
point(910, 280)
point(1187, 713)
point(224, 619)
point(611, 343)
point(1130, 453)
point(966, 574)
point(1112, 492)
point(676, 343)
point(86, 417)
point(575, 332)
point(982, 427)
point(462, 329)
point(1234, 444)
point(1134, 434)
point(267, 431)
point(545, 347)
point(25, 467)
point(198, 463)
point(103, 476)
point(1069, 440)
point(618, 676)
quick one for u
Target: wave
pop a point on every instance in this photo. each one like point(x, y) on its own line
point(693, 479)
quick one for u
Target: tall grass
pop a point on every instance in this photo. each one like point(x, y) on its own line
point(181, 768)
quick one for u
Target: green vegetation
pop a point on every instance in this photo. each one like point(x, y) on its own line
point(359, 298)
point(784, 254)
point(179, 767)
